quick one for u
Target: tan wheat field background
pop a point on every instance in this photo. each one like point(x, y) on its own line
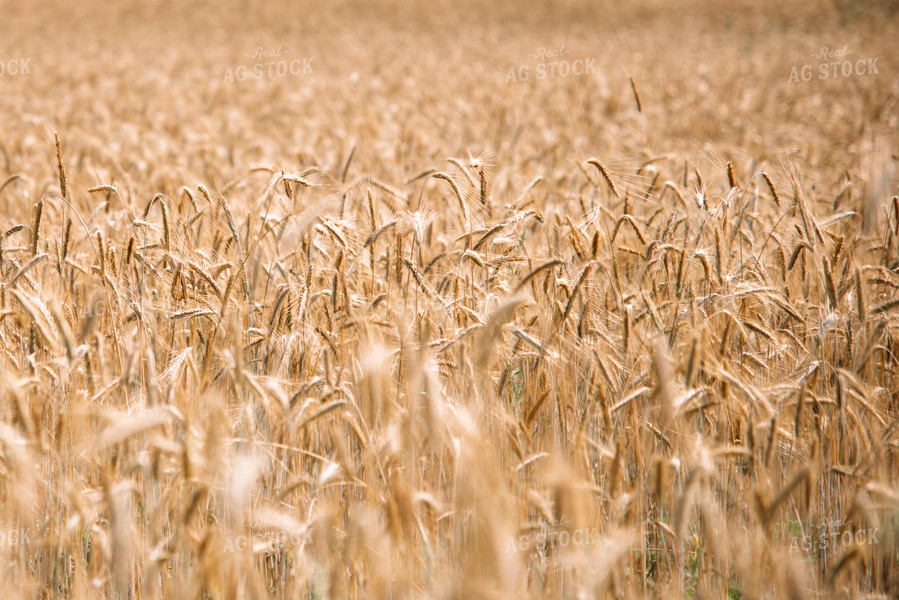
point(415, 322)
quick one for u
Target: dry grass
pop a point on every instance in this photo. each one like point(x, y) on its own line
point(401, 329)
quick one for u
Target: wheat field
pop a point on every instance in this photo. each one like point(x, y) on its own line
point(449, 300)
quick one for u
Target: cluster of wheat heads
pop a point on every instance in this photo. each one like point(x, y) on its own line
point(294, 385)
